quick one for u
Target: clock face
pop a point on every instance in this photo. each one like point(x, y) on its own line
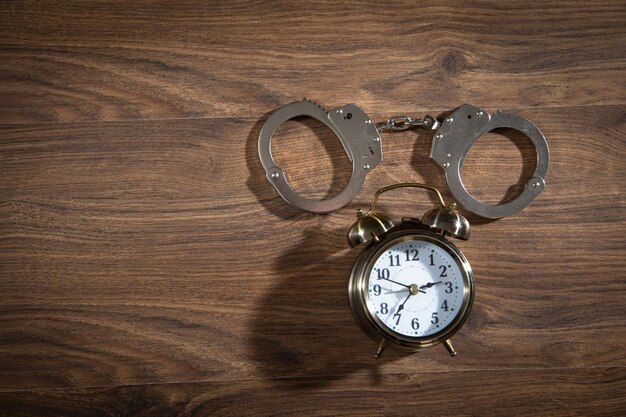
point(416, 288)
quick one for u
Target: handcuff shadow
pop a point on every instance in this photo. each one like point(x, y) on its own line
point(426, 167)
point(265, 193)
point(303, 326)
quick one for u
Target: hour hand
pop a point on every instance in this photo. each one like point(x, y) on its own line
point(430, 284)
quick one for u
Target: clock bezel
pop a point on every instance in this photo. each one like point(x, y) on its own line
point(359, 284)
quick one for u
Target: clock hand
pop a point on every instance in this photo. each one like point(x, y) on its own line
point(403, 303)
point(403, 290)
point(387, 279)
point(430, 284)
point(413, 289)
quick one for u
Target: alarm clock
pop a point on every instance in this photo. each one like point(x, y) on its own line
point(410, 288)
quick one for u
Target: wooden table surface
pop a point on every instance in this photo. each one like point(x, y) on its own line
point(148, 268)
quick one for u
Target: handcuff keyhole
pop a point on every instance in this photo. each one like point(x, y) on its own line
point(469, 116)
point(348, 116)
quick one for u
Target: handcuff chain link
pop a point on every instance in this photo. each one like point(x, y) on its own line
point(405, 122)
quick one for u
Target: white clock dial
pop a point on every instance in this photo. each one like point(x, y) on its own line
point(415, 288)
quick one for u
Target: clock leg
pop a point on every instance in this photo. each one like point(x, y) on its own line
point(381, 348)
point(448, 345)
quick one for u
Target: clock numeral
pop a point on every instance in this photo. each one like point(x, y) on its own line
point(434, 319)
point(444, 306)
point(398, 315)
point(394, 260)
point(377, 290)
point(448, 285)
point(384, 308)
point(383, 273)
point(443, 271)
point(415, 324)
point(411, 255)
point(432, 259)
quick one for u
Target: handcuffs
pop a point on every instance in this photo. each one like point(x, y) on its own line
point(361, 140)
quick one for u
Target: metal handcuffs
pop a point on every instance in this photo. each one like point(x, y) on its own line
point(357, 133)
point(360, 138)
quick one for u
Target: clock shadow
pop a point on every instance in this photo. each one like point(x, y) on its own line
point(303, 326)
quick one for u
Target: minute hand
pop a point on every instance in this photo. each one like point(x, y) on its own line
point(395, 282)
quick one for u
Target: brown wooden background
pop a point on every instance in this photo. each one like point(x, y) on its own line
point(148, 268)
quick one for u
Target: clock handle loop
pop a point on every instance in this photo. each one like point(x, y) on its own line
point(406, 185)
point(445, 219)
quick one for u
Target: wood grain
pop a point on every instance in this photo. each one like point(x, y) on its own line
point(135, 255)
point(147, 267)
point(561, 392)
point(74, 61)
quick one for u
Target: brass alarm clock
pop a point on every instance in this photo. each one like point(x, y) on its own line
point(410, 288)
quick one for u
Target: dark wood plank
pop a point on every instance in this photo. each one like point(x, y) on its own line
point(545, 392)
point(76, 61)
point(155, 251)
